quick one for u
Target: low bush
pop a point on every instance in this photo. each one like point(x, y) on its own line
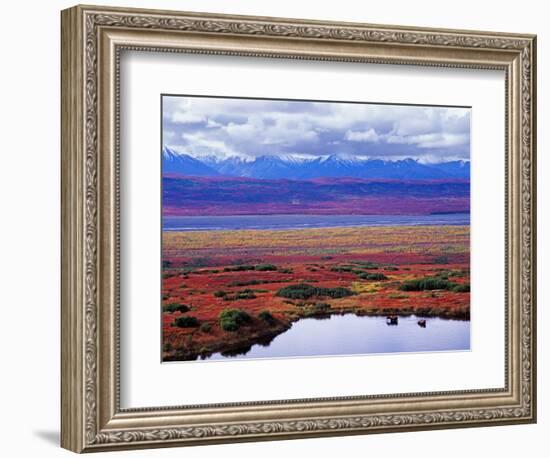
point(306, 291)
point(425, 284)
point(220, 293)
point(266, 316)
point(171, 308)
point(186, 322)
point(206, 327)
point(433, 283)
point(341, 269)
point(245, 294)
point(398, 296)
point(452, 273)
point(240, 268)
point(265, 267)
point(298, 291)
point(232, 319)
point(321, 306)
point(248, 282)
point(238, 295)
point(336, 293)
point(367, 264)
point(373, 276)
point(461, 288)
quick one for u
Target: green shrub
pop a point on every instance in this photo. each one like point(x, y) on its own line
point(336, 293)
point(265, 267)
point(425, 284)
point(458, 273)
point(298, 291)
point(167, 347)
point(398, 296)
point(206, 327)
point(171, 308)
point(343, 269)
point(248, 282)
point(321, 307)
point(367, 264)
point(240, 268)
point(266, 316)
point(239, 295)
point(373, 276)
point(220, 293)
point(451, 273)
point(306, 291)
point(186, 322)
point(232, 319)
point(245, 294)
point(391, 268)
point(431, 283)
point(461, 288)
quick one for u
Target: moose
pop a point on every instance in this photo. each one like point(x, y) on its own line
point(392, 320)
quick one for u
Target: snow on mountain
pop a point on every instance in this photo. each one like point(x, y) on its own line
point(183, 164)
point(302, 167)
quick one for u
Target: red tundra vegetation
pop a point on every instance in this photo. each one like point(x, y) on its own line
point(224, 291)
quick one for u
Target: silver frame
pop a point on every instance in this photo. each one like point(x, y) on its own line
point(92, 40)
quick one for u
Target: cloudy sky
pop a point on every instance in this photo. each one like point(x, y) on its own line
point(242, 127)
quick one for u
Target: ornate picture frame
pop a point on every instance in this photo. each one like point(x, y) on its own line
point(92, 41)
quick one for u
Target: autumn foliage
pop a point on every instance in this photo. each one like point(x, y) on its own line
point(237, 288)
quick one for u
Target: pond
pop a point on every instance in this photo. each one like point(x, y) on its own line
point(352, 335)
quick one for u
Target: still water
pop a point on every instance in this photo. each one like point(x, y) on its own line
point(353, 335)
point(279, 222)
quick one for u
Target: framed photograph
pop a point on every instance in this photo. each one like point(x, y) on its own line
point(279, 228)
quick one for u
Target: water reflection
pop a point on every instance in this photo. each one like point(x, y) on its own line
point(352, 335)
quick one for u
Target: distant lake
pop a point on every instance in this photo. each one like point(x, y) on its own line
point(280, 222)
point(354, 335)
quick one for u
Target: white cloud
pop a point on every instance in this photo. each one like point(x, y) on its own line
point(210, 123)
point(368, 136)
point(207, 125)
point(168, 135)
point(438, 140)
point(183, 117)
point(241, 132)
point(199, 143)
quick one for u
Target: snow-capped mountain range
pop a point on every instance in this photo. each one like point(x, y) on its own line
point(304, 167)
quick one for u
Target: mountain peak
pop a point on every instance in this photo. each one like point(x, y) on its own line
point(168, 153)
point(306, 167)
point(183, 164)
